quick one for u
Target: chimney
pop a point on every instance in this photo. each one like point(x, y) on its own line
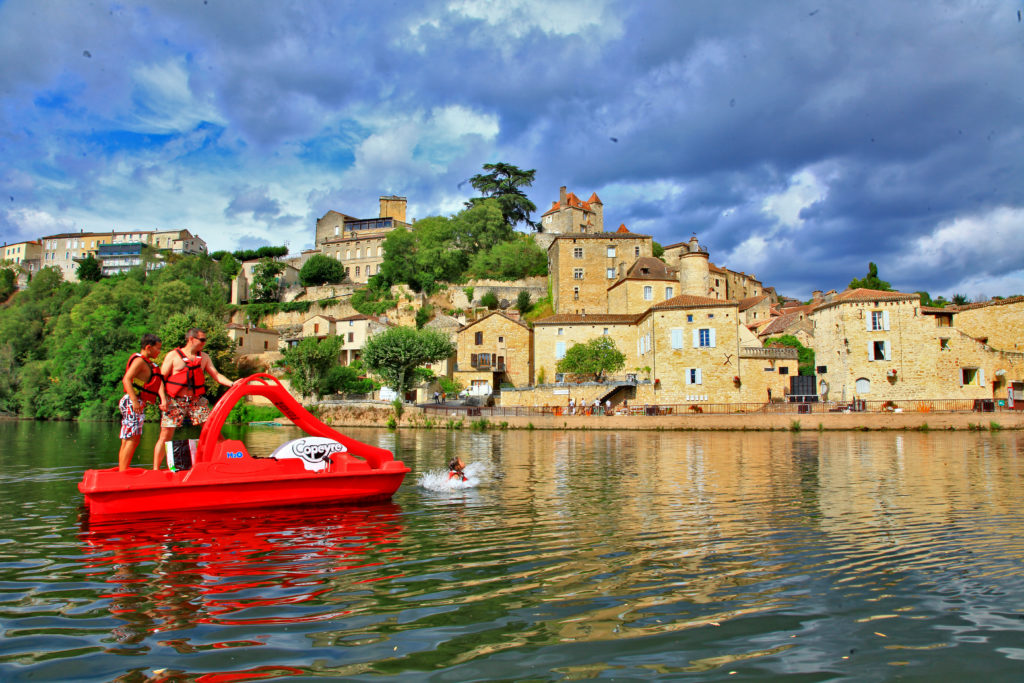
point(562, 200)
point(816, 295)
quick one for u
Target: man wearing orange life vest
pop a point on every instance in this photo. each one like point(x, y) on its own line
point(185, 371)
point(143, 384)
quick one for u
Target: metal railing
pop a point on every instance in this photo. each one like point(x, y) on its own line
point(951, 405)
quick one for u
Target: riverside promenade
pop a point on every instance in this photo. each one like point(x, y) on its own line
point(416, 417)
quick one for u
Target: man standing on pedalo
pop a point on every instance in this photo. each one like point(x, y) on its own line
point(184, 370)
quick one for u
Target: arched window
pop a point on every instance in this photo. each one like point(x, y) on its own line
point(863, 385)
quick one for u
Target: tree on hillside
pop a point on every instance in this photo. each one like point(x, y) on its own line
point(395, 354)
point(229, 265)
point(871, 281)
point(523, 303)
point(8, 280)
point(262, 252)
point(321, 270)
point(265, 285)
point(595, 357)
point(490, 300)
point(512, 260)
point(89, 269)
point(505, 183)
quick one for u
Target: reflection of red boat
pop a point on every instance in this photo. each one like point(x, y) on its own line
point(224, 474)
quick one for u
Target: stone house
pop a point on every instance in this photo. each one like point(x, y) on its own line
point(355, 331)
point(880, 345)
point(241, 283)
point(582, 266)
point(646, 282)
point(754, 309)
point(494, 350)
point(319, 326)
point(449, 326)
point(249, 340)
point(556, 334)
point(570, 214)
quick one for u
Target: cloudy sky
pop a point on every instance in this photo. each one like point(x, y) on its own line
point(799, 141)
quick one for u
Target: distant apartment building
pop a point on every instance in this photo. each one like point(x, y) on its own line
point(64, 250)
point(25, 255)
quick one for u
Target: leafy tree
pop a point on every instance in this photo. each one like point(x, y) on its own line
point(229, 266)
point(309, 363)
point(346, 379)
point(396, 353)
point(450, 386)
point(8, 280)
point(805, 356)
point(657, 250)
point(89, 269)
point(321, 270)
point(490, 300)
point(423, 316)
point(480, 227)
point(523, 304)
point(960, 300)
point(262, 252)
point(513, 260)
point(505, 183)
point(265, 285)
point(595, 357)
point(871, 281)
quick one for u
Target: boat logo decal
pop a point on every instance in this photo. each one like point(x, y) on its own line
point(314, 451)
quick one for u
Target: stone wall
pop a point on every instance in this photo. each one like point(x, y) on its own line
point(1001, 322)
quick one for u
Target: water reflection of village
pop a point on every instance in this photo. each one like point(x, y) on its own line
point(637, 533)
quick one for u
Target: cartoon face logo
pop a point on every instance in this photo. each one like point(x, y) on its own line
point(314, 451)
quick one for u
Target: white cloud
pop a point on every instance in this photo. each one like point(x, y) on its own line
point(164, 101)
point(805, 189)
point(560, 17)
point(987, 243)
point(33, 224)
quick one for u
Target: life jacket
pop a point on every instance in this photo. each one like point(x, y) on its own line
point(149, 390)
point(189, 377)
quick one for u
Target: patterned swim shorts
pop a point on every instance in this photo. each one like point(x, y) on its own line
point(197, 409)
point(131, 422)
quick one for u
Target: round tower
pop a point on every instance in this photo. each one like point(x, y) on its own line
point(694, 274)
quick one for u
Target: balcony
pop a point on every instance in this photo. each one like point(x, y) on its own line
point(769, 353)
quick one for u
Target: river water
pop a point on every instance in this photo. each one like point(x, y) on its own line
point(576, 555)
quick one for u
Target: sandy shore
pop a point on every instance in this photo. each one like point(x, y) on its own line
point(415, 418)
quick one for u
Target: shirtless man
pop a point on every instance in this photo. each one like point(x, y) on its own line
point(142, 384)
point(184, 370)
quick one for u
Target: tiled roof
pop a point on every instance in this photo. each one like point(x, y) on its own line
point(489, 315)
point(250, 328)
point(751, 301)
point(594, 199)
point(330, 318)
point(357, 316)
point(861, 295)
point(622, 228)
point(572, 201)
point(589, 318)
point(934, 310)
point(649, 268)
point(779, 324)
point(693, 301)
point(983, 304)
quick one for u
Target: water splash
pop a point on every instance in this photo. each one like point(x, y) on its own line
point(438, 480)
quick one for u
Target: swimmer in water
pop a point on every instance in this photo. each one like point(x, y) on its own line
point(456, 468)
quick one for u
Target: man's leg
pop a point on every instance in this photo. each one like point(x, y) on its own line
point(124, 455)
point(166, 434)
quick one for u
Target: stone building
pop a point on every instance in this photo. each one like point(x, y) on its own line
point(569, 214)
point(646, 282)
point(492, 351)
point(63, 251)
point(880, 345)
point(355, 331)
point(722, 282)
point(582, 266)
point(27, 256)
point(755, 309)
point(242, 283)
point(250, 340)
point(359, 243)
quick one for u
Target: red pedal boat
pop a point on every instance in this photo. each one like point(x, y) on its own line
point(327, 466)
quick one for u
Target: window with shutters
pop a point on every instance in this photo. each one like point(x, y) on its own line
point(877, 320)
point(704, 337)
point(677, 338)
point(559, 350)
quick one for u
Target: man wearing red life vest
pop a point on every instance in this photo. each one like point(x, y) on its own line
point(184, 370)
point(143, 384)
